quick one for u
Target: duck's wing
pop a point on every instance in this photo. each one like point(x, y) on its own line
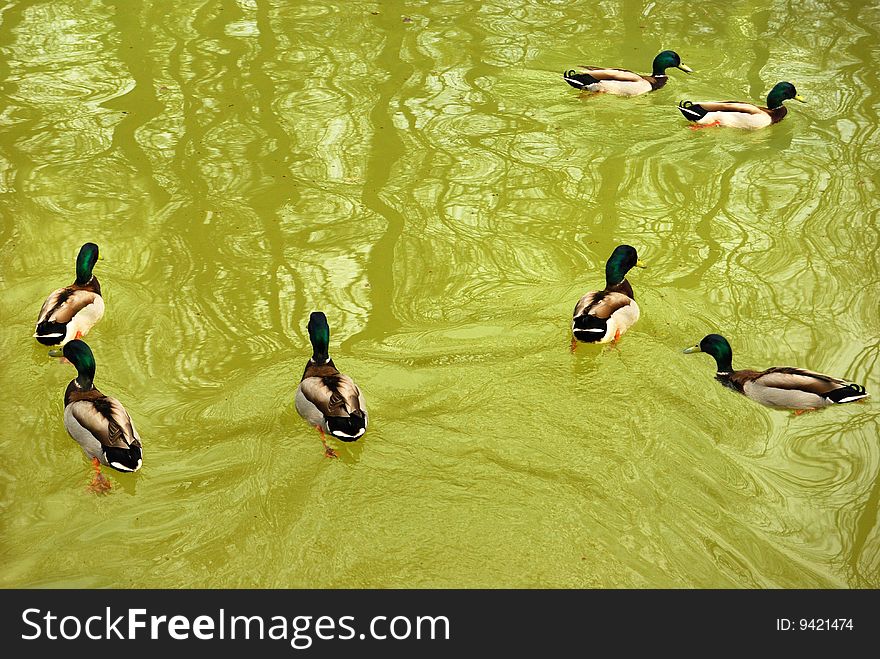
point(333, 395)
point(786, 377)
point(62, 305)
point(601, 304)
point(584, 303)
point(56, 298)
point(339, 400)
point(104, 429)
point(796, 388)
point(106, 420)
point(731, 106)
point(620, 75)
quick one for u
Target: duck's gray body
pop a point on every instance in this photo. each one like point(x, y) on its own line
point(103, 428)
point(792, 388)
point(331, 401)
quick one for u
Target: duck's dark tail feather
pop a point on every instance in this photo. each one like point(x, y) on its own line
point(589, 329)
point(692, 111)
point(124, 459)
point(578, 80)
point(50, 333)
point(847, 394)
point(347, 428)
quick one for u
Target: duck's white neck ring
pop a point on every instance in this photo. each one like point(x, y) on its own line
point(83, 382)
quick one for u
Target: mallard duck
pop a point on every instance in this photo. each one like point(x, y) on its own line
point(603, 316)
point(622, 81)
point(782, 386)
point(738, 114)
point(98, 423)
point(69, 313)
point(326, 398)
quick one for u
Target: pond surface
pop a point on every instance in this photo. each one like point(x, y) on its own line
point(421, 173)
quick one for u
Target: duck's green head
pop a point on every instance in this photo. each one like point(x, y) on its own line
point(80, 355)
point(623, 259)
point(85, 262)
point(667, 60)
point(717, 346)
point(319, 335)
point(783, 91)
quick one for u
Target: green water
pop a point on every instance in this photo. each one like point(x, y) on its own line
point(420, 172)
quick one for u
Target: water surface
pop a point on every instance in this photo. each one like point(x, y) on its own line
point(420, 172)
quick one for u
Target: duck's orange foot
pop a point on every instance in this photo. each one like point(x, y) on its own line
point(78, 336)
point(574, 344)
point(799, 412)
point(100, 484)
point(699, 126)
point(328, 452)
point(613, 343)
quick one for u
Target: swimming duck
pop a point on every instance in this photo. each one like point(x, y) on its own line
point(622, 81)
point(739, 114)
point(327, 399)
point(69, 313)
point(782, 386)
point(603, 316)
point(98, 423)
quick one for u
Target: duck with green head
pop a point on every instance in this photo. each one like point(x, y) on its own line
point(98, 423)
point(603, 316)
point(70, 312)
point(736, 114)
point(781, 386)
point(329, 400)
point(622, 81)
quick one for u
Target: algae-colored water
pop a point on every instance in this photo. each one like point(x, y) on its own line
point(421, 173)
